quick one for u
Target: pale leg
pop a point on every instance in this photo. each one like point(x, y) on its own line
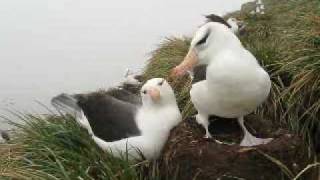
point(203, 120)
point(249, 139)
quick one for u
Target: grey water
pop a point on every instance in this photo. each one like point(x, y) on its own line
point(53, 46)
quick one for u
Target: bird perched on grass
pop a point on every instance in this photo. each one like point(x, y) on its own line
point(120, 127)
point(235, 83)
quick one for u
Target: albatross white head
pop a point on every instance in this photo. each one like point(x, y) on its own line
point(207, 41)
point(157, 91)
point(157, 116)
point(235, 24)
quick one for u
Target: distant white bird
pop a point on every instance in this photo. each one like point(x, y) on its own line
point(259, 2)
point(261, 6)
point(232, 23)
point(235, 83)
point(131, 78)
point(258, 10)
point(121, 127)
point(253, 12)
point(236, 25)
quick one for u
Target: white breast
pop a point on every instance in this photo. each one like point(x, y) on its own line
point(155, 125)
point(235, 86)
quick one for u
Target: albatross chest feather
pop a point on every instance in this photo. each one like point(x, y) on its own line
point(158, 121)
point(155, 126)
point(235, 83)
point(233, 87)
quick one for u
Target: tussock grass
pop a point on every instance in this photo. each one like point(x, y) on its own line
point(55, 147)
point(169, 54)
point(287, 45)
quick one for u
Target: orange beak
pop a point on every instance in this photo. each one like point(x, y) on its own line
point(187, 64)
point(154, 94)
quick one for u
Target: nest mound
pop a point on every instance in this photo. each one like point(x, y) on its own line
point(189, 156)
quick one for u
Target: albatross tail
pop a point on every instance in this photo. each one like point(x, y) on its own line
point(68, 104)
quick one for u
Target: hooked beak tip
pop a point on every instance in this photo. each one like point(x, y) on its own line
point(187, 64)
point(178, 71)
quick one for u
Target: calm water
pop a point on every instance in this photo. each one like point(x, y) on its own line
point(53, 46)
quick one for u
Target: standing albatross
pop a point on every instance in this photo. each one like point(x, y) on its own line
point(144, 128)
point(235, 83)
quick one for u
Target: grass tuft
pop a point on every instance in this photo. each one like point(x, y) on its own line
point(55, 147)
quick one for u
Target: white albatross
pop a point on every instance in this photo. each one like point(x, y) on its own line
point(158, 114)
point(236, 25)
point(235, 83)
point(131, 78)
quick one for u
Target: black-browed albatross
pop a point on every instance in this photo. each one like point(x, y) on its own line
point(119, 126)
point(235, 83)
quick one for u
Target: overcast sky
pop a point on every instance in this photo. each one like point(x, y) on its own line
point(53, 46)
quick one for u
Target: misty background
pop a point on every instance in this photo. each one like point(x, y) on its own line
point(52, 46)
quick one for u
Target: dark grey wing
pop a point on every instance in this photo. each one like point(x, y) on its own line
point(110, 119)
point(125, 95)
point(121, 93)
point(132, 88)
point(139, 78)
point(199, 73)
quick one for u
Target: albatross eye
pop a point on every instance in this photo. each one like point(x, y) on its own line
point(204, 39)
point(161, 83)
point(144, 92)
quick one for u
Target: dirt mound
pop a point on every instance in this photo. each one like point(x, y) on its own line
point(194, 157)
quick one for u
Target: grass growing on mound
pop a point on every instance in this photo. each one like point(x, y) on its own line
point(168, 55)
point(55, 147)
point(285, 40)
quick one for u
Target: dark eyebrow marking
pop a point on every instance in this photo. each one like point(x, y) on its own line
point(204, 39)
point(161, 83)
point(215, 18)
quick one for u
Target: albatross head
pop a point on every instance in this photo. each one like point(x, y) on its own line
point(207, 41)
point(235, 24)
point(157, 91)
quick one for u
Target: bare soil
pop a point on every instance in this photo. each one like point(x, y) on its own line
point(193, 157)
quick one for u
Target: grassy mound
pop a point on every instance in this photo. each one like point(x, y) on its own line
point(199, 158)
point(286, 41)
point(55, 147)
